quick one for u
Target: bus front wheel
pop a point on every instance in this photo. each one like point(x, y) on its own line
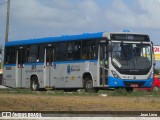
point(34, 84)
point(88, 86)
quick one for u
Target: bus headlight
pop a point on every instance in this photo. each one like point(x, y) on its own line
point(115, 74)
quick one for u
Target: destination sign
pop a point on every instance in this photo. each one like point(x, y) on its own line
point(129, 37)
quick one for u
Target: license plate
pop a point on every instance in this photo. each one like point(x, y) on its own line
point(134, 85)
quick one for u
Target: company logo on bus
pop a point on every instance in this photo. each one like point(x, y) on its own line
point(68, 69)
point(73, 68)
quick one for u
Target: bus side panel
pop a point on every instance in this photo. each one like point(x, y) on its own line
point(59, 75)
point(33, 70)
point(26, 81)
point(20, 77)
point(48, 76)
point(93, 70)
point(68, 75)
point(74, 75)
point(9, 76)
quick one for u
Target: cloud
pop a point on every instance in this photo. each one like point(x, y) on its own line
point(43, 18)
point(141, 14)
point(54, 17)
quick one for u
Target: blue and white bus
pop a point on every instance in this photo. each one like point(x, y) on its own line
point(89, 61)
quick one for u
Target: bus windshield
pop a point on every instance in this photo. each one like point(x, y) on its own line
point(131, 57)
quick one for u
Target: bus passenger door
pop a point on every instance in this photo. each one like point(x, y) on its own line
point(103, 63)
point(49, 57)
point(20, 72)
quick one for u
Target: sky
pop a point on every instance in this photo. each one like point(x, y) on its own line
point(31, 19)
point(47, 18)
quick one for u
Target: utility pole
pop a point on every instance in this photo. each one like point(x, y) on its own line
point(7, 21)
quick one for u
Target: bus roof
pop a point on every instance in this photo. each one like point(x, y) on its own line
point(56, 39)
point(68, 38)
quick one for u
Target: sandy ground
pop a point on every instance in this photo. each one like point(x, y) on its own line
point(29, 102)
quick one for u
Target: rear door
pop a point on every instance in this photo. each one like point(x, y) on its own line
point(49, 57)
point(20, 72)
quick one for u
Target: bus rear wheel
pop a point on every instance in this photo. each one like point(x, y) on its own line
point(34, 84)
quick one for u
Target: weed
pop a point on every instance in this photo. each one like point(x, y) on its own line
point(34, 108)
point(116, 92)
point(137, 100)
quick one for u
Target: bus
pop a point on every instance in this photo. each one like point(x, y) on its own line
point(90, 61)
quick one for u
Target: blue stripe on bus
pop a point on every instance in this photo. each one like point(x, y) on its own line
point(115, 82)
point(7, 65)
point(56, 39)
point(38, 63)
point(35, 63)
point(74, 61)
point(60, 62)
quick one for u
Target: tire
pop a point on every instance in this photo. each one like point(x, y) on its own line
point(155, 89)
point(88, 86)
point(34, 84)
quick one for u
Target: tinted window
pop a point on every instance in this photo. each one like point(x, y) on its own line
point(60, 53)
point(73, 50)
point(10, 55)
point(32, 51)
point(89, 49)
point(41, 52)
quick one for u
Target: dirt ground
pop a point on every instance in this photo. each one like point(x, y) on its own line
point(29, 102)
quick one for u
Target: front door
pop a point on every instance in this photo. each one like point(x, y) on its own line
point(20, 81)
point(49, 52)
point(103, 64)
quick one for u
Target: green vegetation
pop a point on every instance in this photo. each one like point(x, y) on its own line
point(116, 92)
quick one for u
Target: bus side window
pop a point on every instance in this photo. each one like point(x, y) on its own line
point(33, 53)
point(60, 51)
point(49, 55)
point(77, 50)
point(41, 52)
point(10, 57)
point(7, 57)
point(70, 51)
point(73, 50)
point(56, 57)
point(89, 49)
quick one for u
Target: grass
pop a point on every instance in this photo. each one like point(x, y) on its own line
point(58, 100)
point(120, 92)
